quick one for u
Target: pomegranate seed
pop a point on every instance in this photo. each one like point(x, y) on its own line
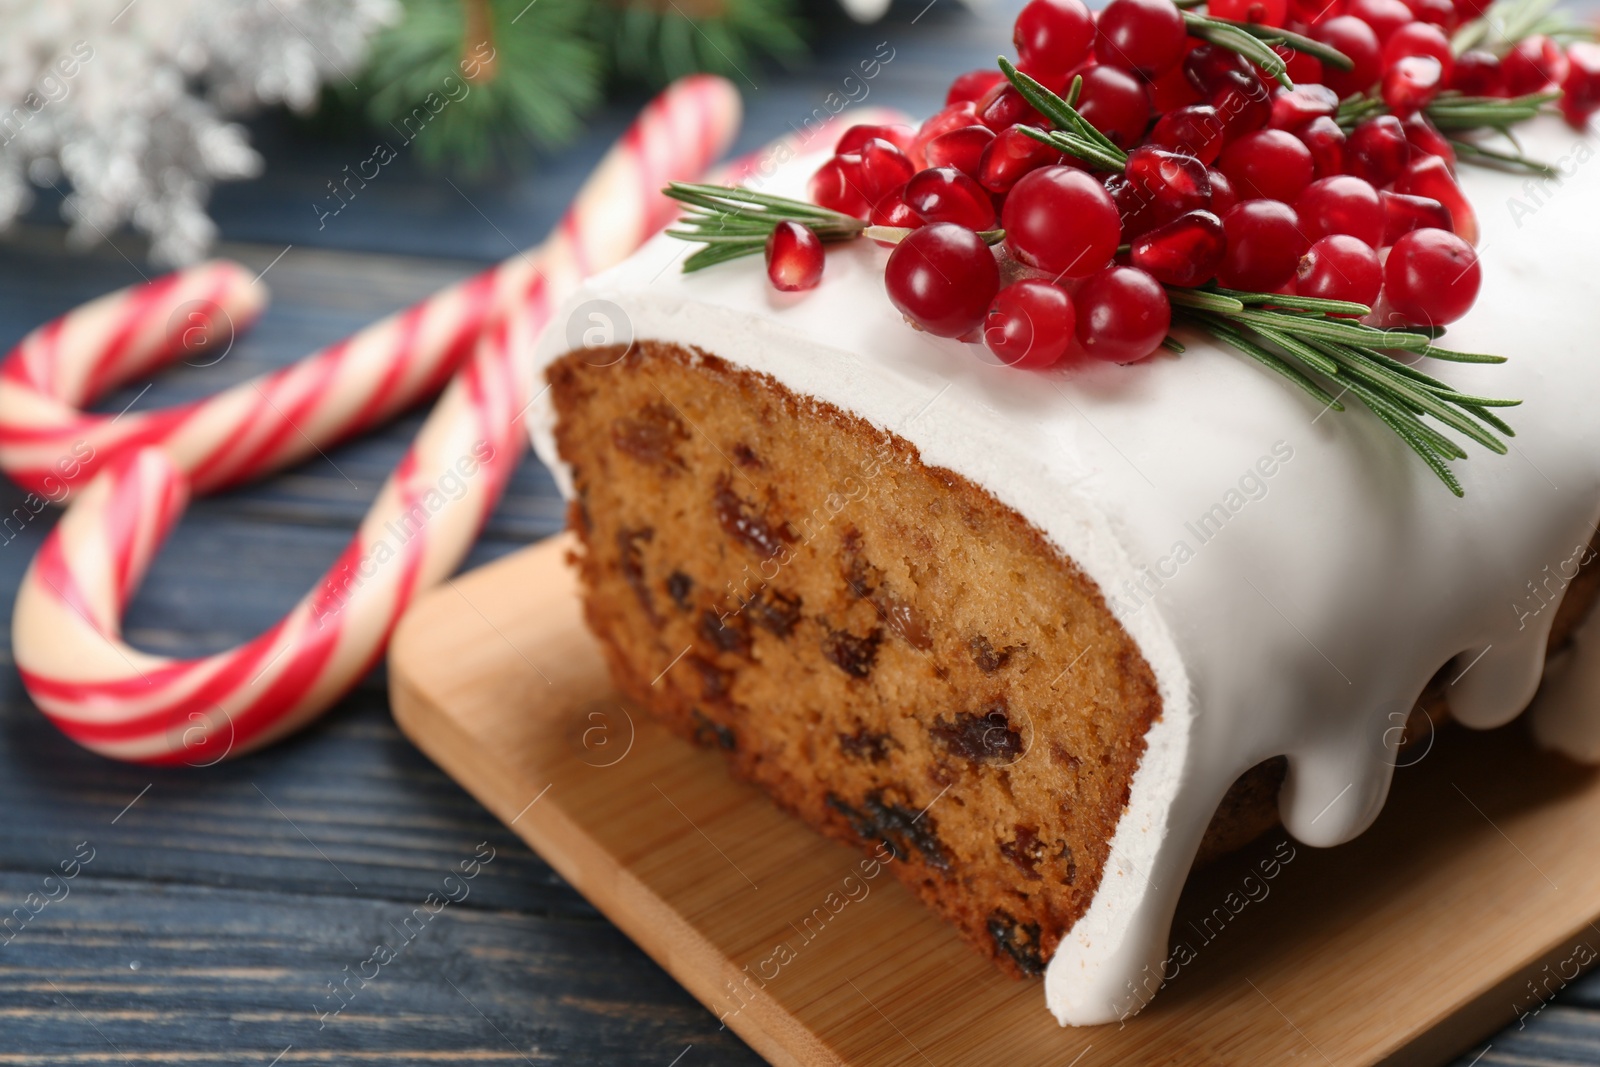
point(1175, 183)
point(1207, 67)
point(972, 85)
point(1186, 251)
point(1171, 90)
point(1426, 140)
point(1431, 277)
point(1533, 64)
point(961, 149)
point(1440, 13)
point(892, 210)
point(1342, 204)
point(1339, 267)
point(1429, 177)
point(1580, 88)
point(1053, 37)
point(1144, 36)
point(1377, 150)
point(1243, 103)
point(942, 277)
point(1003, 106)
point(1403, 213)
point(1263, 12)
point(1123, 314)
point(1223, 194)
point(1268, 164)
point(1030, 324)
point(794, 257)
point(1265, 244)
point(1419, 39)
point(954, 117)
point(1293, 108)
point(834, 186)
point(1061, 220)
point(1196, 130)
point(1326, 141)
point(1011, 155)
point(1384, 16)
point(1136, 210)
point(856, 137)
point(944, 194)
point(1115, 103)
point(1357, 41)
point(1477, 73)
point(1412, 83)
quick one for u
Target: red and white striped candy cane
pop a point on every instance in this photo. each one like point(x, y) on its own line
point(66, 629)
point(49, 445)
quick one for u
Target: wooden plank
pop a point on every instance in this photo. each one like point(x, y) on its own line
point(1403, 947)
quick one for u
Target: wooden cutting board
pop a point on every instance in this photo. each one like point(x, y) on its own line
point(1479, 885)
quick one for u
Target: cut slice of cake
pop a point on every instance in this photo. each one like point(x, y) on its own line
point(1052, 635)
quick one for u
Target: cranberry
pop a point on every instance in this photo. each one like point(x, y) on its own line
point(1186, 251)
point(1264, 12)
point(1412, 83)
point(1426, 140)
point(1243, 103)
point(1053, 37)
point(1171, 90)
point(1580, 88)
point(1268, 163)
point(1196, 129)
point(1339, 267)
point(1115, 103)
point(1123, 314)
point(1308, 13)
point(1293, 108)
point(1532, 65)
point(1302, 67)
point(794, 257)
point(1403, 213)
point(972, 85)
point(1471, 9)
point(1265, 244)
point(856, 137)
point(1384, 16)
point(1144, 36)
point(944, 194)
point(1477, 73)
point(1223, 194)
point(1326, 141)
point(942, 277)
point(834, 186)
point(1061, 220)
point(1440, 13)
point(1175, 183)
point(1359, 44)
point(1003, 106)
point(954, 117)
point(1030, 324)
point(961, 149)
point(1342, 204)
point(1377, 150)
point(1431, 277)
point(1429, 176)
point(1207, 67)
point(1419, 39)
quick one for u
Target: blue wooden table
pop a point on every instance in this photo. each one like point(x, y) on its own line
point(220, 909)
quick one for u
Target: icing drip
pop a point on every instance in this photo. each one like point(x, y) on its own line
point(1294, 577)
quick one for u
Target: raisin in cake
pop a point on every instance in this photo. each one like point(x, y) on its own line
point(1040, 631)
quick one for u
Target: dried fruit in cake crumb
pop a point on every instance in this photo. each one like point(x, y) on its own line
point(988, 658)
point(630, 558)
point(897, 826)
point(774, 611)
point(651, 436)
point(866, 745)
point(708, 732)
point(987, 737)
point(727, 634)
point(852, 654)
point(740, 521)
point(1018, 940)
point(714, 681)
point(679, 588)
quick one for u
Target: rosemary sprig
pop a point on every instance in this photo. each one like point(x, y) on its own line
point(1506, 22)
point(1314, 345)
point(1453, 112)
point(1072, 134)
point(1255, 42)
point(733, 222)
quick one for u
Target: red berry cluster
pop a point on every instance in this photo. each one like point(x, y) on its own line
point(1229, 177)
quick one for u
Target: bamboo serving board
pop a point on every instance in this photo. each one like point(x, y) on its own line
point(1404, 947)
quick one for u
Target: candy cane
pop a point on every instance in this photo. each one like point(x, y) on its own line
point(124, 703)
point(66, 628)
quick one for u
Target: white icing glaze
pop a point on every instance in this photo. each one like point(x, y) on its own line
point(1307, 617)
